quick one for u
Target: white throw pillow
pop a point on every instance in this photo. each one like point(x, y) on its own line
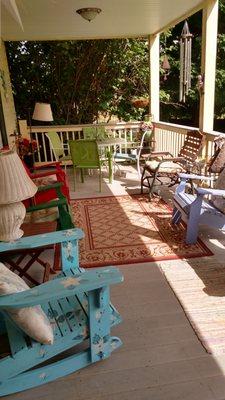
point(32, 320)
point(219, 202)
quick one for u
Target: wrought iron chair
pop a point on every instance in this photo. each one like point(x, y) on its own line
point(163, 165)
point(76, 303)
point(138, 152)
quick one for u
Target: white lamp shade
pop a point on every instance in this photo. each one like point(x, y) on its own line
point(15, 184)
point(42, 112)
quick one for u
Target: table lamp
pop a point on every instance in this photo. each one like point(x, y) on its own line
point(15, 186)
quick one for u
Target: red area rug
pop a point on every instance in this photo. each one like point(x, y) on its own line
point(130, 229)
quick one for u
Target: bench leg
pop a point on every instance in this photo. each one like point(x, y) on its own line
point(176, 216)
point(192, 231)
point(99, 323)
point(193, 221)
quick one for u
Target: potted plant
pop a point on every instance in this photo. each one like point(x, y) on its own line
point(26, 149)
point(140, 102)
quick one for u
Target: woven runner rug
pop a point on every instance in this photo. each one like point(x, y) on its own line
point(199, 285)
point(129, 229)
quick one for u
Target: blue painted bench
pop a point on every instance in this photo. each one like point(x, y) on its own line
point(196, 209)
point(76, 301)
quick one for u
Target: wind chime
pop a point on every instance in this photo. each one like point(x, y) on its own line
point(185, 62)
point(165, 64)
point(166, 67)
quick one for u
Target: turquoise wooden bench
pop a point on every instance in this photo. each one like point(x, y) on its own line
point(76, 302)
point(195, 209)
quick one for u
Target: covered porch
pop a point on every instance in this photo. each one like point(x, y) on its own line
point(161, 357)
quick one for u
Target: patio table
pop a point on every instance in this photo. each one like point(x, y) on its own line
point(110, 143)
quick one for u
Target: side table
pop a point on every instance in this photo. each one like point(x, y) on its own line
point(16, 259)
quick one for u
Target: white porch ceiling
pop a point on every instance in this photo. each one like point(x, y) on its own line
point(58, 20)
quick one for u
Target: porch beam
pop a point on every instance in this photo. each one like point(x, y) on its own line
point(154, 83)
point(208, 65)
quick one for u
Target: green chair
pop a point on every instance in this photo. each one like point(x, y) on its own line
point(58, 149)
point(84, 154)
point(94, 133)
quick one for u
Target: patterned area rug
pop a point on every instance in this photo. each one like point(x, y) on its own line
point(199, 285)
point(129, 229)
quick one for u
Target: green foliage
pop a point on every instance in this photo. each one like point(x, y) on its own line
point(171, 108)
point(85, 79)
point(80, 79)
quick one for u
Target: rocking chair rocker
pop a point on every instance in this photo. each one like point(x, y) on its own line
point(76, 303)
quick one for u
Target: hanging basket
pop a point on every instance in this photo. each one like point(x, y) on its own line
point(140, 102)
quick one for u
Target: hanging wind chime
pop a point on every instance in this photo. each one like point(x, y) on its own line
point(166, 67)
point(165, 64)
point(185, 62)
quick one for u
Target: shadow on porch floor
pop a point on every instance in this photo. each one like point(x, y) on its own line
point(161, 357)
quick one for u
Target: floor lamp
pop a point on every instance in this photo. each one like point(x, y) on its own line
point(42, 112)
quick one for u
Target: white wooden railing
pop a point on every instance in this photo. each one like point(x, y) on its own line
point(124, 131)
point(168, 137)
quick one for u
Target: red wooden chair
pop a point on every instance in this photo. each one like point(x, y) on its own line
point(48, 177)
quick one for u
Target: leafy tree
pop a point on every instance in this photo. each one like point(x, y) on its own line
point(85, 79)
point(80, 79)
point(171, 108)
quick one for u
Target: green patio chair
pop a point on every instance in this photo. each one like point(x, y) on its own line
point(58, 149)
point(94, 133)
point(84, 154)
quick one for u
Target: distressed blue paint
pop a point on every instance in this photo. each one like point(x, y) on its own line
point(99, 322)
point(195, 210)
point(70, 255)
point(31, 242)
point(77, 304)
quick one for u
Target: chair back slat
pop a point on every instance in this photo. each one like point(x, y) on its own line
point(55, 144)
point(84, 153)
point(192, 146)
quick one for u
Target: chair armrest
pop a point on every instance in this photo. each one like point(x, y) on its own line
point(161, 153)
point(44, 174)
point(49, 204)
point(175, 159)
point(31, 242)
point(196, 177)
point(214, 192)
point(56, 186)
point(56, 164)
point(62, 287)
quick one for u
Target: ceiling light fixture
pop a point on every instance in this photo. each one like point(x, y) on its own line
point(89, 13)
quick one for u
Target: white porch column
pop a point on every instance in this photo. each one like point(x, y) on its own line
point(6, 94)
point(208, 65)
point(154, 84)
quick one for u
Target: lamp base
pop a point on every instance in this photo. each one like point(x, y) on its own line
point(11, 218)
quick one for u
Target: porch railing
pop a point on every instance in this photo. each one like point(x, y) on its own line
point(168, 137)
point(126, 131)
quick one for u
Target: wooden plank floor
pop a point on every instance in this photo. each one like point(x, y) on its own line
point(161, 357)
